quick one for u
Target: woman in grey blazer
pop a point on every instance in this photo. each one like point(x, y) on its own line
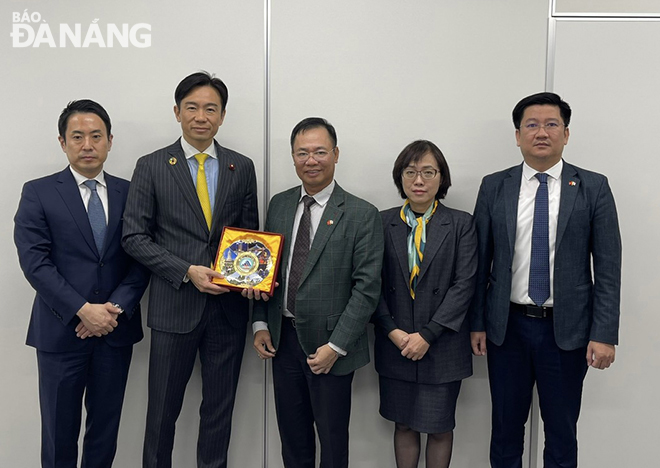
point(422, 338)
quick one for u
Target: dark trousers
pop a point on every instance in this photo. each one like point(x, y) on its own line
point(528, 355)
point(303, 399)
point(99, 373)
point(171, 362)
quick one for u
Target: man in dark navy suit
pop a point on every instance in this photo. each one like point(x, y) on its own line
point(548, 284)
point(86, 313)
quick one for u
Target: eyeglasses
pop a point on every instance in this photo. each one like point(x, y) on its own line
point(427, 174)
point(318, 155)
point(550, 127)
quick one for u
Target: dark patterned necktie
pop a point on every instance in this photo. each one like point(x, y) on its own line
point(300, 252)
point(96, 215)
point(539, 265)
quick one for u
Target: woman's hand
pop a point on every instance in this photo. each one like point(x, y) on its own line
point(398, 337)
point(416, 347)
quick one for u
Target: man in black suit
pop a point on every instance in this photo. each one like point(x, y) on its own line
point(86, 314)
point(548, 284)
point(180, 199)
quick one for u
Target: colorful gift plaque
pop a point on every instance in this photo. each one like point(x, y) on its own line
point(248, 259)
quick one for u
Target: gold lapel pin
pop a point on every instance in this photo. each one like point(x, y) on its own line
point(572, 183)
point(172, 161)
point(330, 222)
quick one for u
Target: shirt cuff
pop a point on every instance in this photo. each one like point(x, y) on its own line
point(335, 348)
point(258, 326)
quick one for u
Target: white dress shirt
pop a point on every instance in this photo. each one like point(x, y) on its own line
point(523, 246)
point(86, 192)
point(211, 167)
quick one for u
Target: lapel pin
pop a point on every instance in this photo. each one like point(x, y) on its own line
point(172, 161)
point(232, 167)
point(572, 183)
point(330, 222)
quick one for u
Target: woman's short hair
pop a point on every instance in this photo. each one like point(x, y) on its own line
point(413, 153)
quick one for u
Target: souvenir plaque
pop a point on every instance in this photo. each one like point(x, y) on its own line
point(248, 259)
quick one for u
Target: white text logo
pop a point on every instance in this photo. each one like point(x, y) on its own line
point(29, 29)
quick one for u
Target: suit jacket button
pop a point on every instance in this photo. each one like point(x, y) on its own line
point(436, 291)
point(96, 292)
point(101, 265)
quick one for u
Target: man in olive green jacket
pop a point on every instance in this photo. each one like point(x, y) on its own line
point(315, 325)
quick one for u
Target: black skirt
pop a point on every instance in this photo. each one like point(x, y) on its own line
point(425, 408)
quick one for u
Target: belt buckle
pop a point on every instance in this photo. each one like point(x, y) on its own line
point(535, 311)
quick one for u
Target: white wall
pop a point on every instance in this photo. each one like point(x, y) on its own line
point(384, 72)
point(136, 86)
point(608, 72)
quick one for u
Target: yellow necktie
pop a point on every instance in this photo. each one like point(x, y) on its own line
point(202, 188)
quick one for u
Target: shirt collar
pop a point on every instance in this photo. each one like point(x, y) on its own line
point(554, 171)
point(190, 151)
point(81, 179)
point(321, 197)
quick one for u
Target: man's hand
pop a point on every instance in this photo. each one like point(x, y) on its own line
point(201, 277)
point(600, 355)
point(399, 338)
point(97, 319)
point(263, 344)
point(478, 342)
point(416, 347)
point(252, 293)
point(322, 360)
point(83, 332)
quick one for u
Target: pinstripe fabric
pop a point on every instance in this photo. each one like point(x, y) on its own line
point(165, 229)
point(220, 350)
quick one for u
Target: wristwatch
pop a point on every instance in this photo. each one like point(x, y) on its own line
point(121, 309)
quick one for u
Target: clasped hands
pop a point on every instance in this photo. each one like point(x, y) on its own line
point(96, 319)
point(412, 345)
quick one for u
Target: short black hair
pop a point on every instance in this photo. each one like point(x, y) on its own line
point(202, 78)
point(82, 106)
point(310, 123)
point(413, 153)
point(542, 99)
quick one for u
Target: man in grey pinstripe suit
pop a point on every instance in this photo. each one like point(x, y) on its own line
point(168, 229)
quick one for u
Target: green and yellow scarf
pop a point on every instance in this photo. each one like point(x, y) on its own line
point(416, 239)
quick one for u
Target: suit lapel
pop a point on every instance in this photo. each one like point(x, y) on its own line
point(178, 167)
point(511, 195)
point(114, 207)
point(70, 193)
point(436, 233)
point(283, 222)
point(223, 184)
point(331, 217)
point(570, 185)
point(399, 234)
